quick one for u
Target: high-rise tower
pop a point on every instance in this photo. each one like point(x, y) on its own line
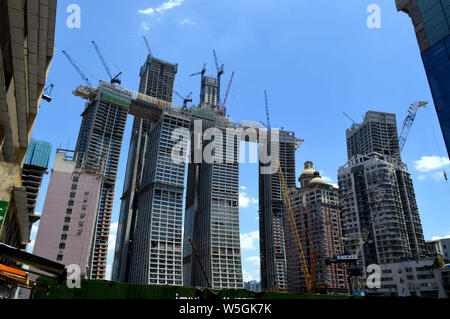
point(211, 245)
point(432, 26)
point(98, 150)
point(271, 213)
point(157, 80)
point(377, 194)
point(318, 221)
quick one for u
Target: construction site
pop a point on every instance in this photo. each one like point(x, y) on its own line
point(179, 230)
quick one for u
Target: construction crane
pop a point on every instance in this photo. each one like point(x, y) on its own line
point(77, 68)
point(199, 262)
point(47, 95)
point(202, 72)
point(309, 282)
point(228, 92)
point(267, 110)
point(408, 122)
point(220, 70)
point(113, 80)
point(147, 45)
point(185, 99)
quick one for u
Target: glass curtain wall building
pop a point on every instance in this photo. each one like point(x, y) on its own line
point(431, 20)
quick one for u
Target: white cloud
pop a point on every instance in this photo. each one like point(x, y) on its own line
point(147, 11)
point(246, 275)
point(248, 240)
point(243, 187)
point(253, 260)
point(34, 230)
point(188, 21)
point(113, 228)
point(431, 163)
point(163, 7)
point(108, 272)
point(30, 246)
point(245, 200)
point(112, 238)
point(437, 237)
point(145, 26)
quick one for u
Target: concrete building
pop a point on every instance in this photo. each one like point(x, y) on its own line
point(211, 245)
point(271, 212)
point(98, 150)
point(26, 50)
point(378, 201)
point(27, 30)
point(156, 256)
point(431, 23)
point(318, 221)
point(377, 194)
point(157, 80)
point(34, 167)
point(438, 246)
point(376, 134)
point(67, 228)
point(411, 278)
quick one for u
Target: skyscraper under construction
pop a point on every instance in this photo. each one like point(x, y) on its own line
point(133, 239)
point(380, 217)
point(98, 149)
point(272, 210)
point(211, 246)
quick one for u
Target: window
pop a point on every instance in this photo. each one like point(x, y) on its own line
point(72, 194)
point(67, 220)
point(69, 211)
point(74, 186)
point(75, 179)
point(65, 228)
point(62, 245)
point(64, 236)
point(70, 202)
point(59, 257)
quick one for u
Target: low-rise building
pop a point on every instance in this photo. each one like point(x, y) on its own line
point(411, 278)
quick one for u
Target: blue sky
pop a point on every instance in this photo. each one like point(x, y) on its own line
point(316, 59)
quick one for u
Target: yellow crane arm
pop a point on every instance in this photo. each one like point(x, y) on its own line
point(301, 254)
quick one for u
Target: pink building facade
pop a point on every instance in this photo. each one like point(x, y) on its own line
point(317, 216)
point(68, 220)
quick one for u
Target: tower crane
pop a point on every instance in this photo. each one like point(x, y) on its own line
point(267, 109)
point(220, 70)
point(408, 122)
point(77, 68)
point(228, 91)
point(113, 80)
point(186, 99)
point(309, 282)
point(147, 45)
point(202, 72)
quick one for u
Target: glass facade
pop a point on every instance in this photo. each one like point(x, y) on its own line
point(437, 66)
point(431, 20)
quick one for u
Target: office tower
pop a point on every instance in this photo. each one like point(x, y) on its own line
point(432, 27)
point(211, 244)
point(317, 218)
point(26, 51)
point(157, 238)
point(68, 222)
point(34, 167)
point(377, 133)
point(157, 80)
point(98, 150)
point(271, 212)
point(210, 90)
point(378, 202)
